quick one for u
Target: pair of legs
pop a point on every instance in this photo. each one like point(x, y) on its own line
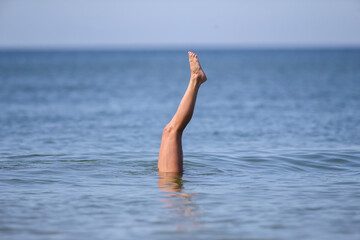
point(171, 155)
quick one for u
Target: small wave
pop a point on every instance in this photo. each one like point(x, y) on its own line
point(304, 160)
point(34, 155)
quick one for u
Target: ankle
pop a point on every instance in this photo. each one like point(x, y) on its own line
point(195, 81)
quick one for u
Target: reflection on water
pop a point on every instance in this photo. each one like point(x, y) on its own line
point(183, 210)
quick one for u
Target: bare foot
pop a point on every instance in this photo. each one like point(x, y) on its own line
point(196, 71)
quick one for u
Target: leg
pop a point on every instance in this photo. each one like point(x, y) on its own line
point(170, 155)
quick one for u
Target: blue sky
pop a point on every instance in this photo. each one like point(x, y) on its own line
point(169, 23)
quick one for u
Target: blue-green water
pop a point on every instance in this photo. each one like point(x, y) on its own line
point(272, 151)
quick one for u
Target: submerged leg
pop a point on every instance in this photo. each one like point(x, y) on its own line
point(171, 155)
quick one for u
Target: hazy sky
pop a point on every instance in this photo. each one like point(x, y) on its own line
point(170, 23)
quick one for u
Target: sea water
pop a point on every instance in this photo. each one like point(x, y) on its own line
point(272, 151)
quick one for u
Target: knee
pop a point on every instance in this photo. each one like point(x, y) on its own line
point(170, 130)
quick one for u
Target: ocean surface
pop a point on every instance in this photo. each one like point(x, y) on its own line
point(272, 151)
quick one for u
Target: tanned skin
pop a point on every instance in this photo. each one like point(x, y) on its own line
point(171, 154)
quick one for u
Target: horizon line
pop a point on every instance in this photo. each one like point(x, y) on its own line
point(181, 48)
